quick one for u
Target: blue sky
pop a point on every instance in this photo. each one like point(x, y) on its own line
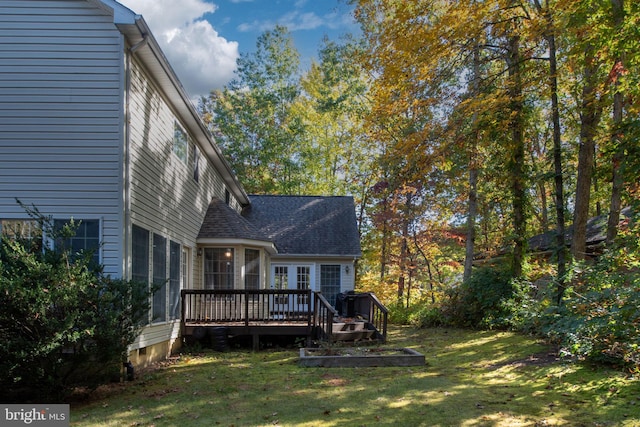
point(203, 38)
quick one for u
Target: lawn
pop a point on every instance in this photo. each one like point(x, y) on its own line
point(470, 379)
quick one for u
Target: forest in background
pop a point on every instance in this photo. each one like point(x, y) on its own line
point(463, 129)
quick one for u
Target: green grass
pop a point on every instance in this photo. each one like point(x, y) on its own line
point(471, 379)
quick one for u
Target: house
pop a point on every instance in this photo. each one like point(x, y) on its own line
point(96, 126)
point(544, 245)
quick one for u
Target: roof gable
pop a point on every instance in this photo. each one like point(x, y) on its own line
point(307, 225)
point(222, 222)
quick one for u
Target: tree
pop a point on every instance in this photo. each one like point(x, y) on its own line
point(549, 33)
point(336, 158)
point(420, 57)
point(252, 116)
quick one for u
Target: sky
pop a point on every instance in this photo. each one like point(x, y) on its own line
point(202, 39)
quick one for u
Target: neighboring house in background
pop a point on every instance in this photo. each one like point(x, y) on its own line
point(95, 126)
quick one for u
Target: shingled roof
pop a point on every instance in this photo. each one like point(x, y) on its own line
point(596, 234)
point(222, 222)
point(307, 225)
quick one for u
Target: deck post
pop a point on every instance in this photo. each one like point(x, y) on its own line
point(246, 308)
point(183, 304)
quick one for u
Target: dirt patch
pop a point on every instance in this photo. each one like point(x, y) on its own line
point(538, 359)
point(334, 380)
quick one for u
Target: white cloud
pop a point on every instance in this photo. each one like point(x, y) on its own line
point(301, 21)
point(294, 21)
point(202, 59)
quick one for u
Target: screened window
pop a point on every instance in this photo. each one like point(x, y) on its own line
point(218, 268)
point(330, 282)
point(140, 254)
point(159, 308)
point(251, 269)
point(174, 280)
point(85, 240)
point(180, 142)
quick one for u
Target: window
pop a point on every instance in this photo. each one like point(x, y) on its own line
point(85, 240)
point(139, 255)
point(180, 142)
point(154, 262)
point(281, 281)
point(281, 277)
point(303, 282)
point(251, 269)
point(330, 282)
point(174, 280)
point(20, 229)
point(24, 230)
point(218, 268)
point(159, 308)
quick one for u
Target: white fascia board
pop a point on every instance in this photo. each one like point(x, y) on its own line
point(318, 256)
point(211, 241)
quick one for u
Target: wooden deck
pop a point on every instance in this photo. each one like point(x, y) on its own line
point(257, 313)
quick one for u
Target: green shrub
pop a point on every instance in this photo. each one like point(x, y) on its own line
point(399, 314)
point(63, 323)
point(599, 319)
point(428, 316)
point(478, 302)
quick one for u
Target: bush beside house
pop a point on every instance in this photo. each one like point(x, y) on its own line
point(63, 323)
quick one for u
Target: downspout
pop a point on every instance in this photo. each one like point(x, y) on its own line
point(127, 157)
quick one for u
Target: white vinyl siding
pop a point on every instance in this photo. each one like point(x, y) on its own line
point(165, 198)
point(61, 97)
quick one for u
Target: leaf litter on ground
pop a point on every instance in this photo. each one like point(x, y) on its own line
point(479, 378)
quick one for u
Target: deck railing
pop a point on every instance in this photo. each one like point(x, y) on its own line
point(273, 306)
point(245, 305)
point(324, 315)
point(378, 316)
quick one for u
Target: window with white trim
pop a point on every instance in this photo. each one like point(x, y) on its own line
point(218, 268)
point(330, 282)
point(159, 265)
point(175, 254)
point(180, 142)
point(85, 240)
point(251, 269)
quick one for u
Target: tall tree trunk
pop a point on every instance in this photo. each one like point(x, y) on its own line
point(404, 249)
point(589, 117)
point(516, 163)
point(557, 152)
point(472, 209)
point(561, 251)
point(383, 252)
point(617, 135)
